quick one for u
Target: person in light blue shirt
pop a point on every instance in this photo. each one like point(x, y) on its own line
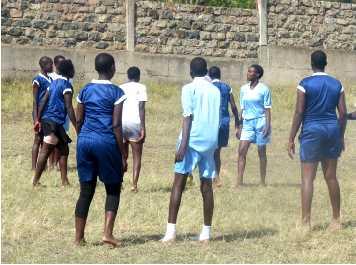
point(322, 134)
point(227, 98)
point(40, 83)
point(255, 102)
point(196, 145)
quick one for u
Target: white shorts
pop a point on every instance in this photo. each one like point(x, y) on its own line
point(131, 132)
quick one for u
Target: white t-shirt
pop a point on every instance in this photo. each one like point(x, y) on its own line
point(135, 92)
point(55, 76)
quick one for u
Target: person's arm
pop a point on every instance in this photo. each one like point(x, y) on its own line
point(42, 104)
point(267, 102)
point(187, 124)
point(34, 104)
point(117, 128)
point(297, 120)
point(69, 107)
point(80, 116)
point(351, 116)
point(341, 107)
point(234, 111)
point(142, 113)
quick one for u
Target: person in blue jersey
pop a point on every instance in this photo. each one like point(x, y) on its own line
point(226, 98)
point(53, 109)
point(100, 147)
point(53, 159)
point(255, 102)
point(196, 146)
point(322, 134)
point(40, 83)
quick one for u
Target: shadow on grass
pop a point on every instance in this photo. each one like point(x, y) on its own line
point(323, 227)
point(159, 189)
point(241, 235)
point(291, 185)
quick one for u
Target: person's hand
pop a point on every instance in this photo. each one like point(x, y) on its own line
point(238, 132)
point(291, 150)
point(37, 127)
point(266, 130)
point(124, 164)
point(180, 154)
point(143, 136)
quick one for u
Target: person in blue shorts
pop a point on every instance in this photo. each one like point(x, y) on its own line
point(100, 147)
point(53, 109)
point(255, 102)
point(322, 134)
point(196, 146)
point(40, 83)
point(226, 98)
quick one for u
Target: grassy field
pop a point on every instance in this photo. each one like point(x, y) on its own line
point(253, 225)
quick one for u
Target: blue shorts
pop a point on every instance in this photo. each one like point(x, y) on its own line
point(223, 139)
point(205, 162)
point(252, 130)
point(320, 141)
point(96, 157)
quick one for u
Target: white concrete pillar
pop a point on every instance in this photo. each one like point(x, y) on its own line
point(262, 21)
point(130, 25)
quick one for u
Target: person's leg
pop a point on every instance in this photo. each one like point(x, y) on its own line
point(307, 188)
point(63, 151)
point(111, 207)
point(208, 206)
point(87, 190)
point(179, 183)
point(217, 158)
point(46, 150)
point(263, 163)
point(136, 155)
point(35, 149)
point(242, 152)
point(329, 169)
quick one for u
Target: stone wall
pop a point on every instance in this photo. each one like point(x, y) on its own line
point(315, 24)
point(196, 30)
point(64, 23)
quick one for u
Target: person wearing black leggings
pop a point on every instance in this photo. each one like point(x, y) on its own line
point(100, 148)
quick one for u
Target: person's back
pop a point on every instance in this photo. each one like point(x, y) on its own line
point(135, 92)
point(202, 100)
point(99, 97)
point(55, 109)
point(322, 93)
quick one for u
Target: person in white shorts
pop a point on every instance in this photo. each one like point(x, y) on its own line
point(133, 120)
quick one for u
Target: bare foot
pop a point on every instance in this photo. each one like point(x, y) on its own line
point(80, 242)
point(65, 183)
point(110, 240)
point(334, 226)
point(217, 183)
point(134, 189)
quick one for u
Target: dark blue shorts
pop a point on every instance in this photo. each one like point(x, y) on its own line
point(320, 141)
point(223, 139)
point(97, 157)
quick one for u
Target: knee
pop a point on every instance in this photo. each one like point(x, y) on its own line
point(242, 153)
point(206, 187)
point(329, 178)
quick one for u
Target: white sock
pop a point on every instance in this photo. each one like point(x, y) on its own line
point(170, 232)
point(205, 233)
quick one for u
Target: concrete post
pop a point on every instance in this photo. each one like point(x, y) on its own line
point(130, 25)
point(262, 21)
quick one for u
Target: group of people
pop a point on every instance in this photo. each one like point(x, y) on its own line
point(109, 118)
